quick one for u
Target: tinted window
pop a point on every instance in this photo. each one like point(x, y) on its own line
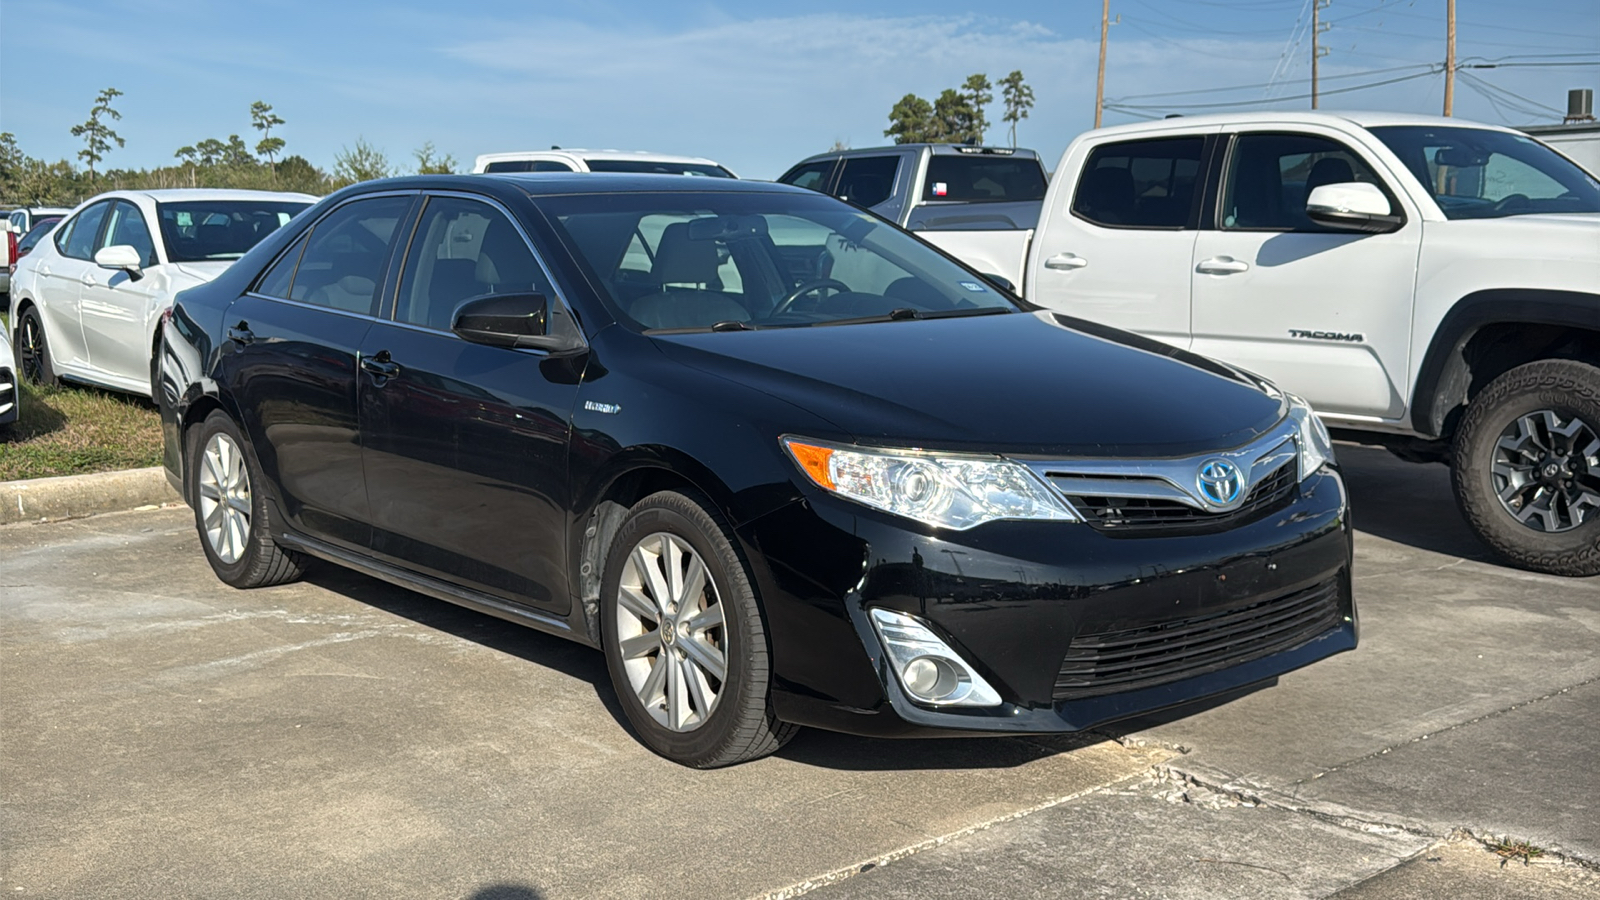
point(18, 220)
point(978, 179)
point(1270, 176)
point(275, 283)
point(1474, 173)
point(128, 227)
point(810, 175)
point(41, 227)
point(527, 165)
point(867, 180)
point(196, 230)
point(344, 259)
point(463, 249)
point(640, 167)
point(1140, 184)
point(79, 242)
point(772, 260)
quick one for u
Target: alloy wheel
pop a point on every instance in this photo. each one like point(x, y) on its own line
point(225, 505)
point(671, 633)
point(1547, 471)
point(30, 347)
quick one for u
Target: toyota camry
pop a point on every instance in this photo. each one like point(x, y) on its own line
point(782, 462)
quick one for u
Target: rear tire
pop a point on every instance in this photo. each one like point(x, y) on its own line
point(230, 513)
point(33, 352)
point(684, 638)
point(1527, 466)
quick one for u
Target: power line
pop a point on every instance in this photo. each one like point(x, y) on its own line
point(1432, 70)
point(1245, 87)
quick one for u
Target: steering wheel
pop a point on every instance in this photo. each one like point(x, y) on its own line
point(819, 284)
point(1512, 201)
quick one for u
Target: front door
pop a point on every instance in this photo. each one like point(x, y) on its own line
point(466, 444)
point(116, 306)
point(1117, 249)
point(1325, 314)
point(292, 351)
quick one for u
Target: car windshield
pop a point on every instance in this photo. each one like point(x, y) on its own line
point(1475, 173)
point(732, 261)
point(199, 230)
point(642, 167)
point(41, 227)
point(983, 179)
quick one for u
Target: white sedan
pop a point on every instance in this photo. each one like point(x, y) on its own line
point(10, 394)
point(86, 303)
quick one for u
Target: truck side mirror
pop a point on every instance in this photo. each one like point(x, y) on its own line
point(1352, 206)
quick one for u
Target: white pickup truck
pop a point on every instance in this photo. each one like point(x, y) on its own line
point(978, 204)
point(1429, 284)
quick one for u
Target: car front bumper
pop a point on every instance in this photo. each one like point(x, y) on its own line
point(1074, 627)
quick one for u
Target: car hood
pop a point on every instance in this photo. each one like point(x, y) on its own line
point(1026, 384)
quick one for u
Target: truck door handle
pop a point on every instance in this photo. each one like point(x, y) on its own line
point(380, 366)
point(1222, 265)
point(1064, 261)
point(241, 333)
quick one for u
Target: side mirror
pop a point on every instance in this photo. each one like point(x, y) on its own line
point(504, 320)
point(1352, 206)
point(121, 256)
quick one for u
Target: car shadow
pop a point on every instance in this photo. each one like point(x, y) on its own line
point(1408, 503)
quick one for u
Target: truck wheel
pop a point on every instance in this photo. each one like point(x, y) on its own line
point(1527, 466)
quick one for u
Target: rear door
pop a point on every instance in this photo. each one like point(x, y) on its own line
point(1324, 313)
point(465, 444)
point(1117, 247)
point(61, 281)
point(291, 359)
point(116, 307)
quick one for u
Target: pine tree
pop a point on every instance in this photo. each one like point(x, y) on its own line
point(97, 135)
point(262, 118)
point(1018, 98)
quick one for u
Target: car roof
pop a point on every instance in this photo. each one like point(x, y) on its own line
point(1362, 118)
point(976, 150)
point(579, 153)
point(179, 195)
point(552, 183)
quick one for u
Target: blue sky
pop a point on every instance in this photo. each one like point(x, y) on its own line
point(754, 85)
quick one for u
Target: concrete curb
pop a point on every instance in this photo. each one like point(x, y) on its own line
point(72, 496)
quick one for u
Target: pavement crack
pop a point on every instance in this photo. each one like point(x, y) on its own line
point(1235, 862)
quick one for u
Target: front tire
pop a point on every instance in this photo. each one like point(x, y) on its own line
point(1527, 466)
point(33, 353)
point(231, 513)
point(684, 638)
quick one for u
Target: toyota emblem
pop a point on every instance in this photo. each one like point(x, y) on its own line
point(1221, 483)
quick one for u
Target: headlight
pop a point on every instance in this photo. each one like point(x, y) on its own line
point(950, 491)
point(1316, 447)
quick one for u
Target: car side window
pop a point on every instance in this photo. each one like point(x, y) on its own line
point(128, 227)
point(277, 279)
point(1140, 184)
point(79, 241)
point(1269, 177)
point(463, 249)
point(527, 165)
point(813, 176)
point(867, 180)
point(344, 259)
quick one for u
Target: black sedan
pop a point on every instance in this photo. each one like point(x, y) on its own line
point(784, 463)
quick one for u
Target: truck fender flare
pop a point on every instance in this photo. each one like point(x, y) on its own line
point(1445, 377)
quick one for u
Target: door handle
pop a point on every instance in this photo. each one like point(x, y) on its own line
point(1222, 265)
point(1065, 261)
point(87, 278)
point(380, 366)
point(241, 333)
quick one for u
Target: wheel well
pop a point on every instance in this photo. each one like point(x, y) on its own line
point(601, 529)
point(1497, 349)
point(192, 416)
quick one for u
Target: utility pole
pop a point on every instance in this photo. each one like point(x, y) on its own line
point(1100, 82)
point(1317, 50)
point(1450, 57)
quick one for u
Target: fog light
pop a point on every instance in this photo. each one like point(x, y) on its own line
point(927, 668)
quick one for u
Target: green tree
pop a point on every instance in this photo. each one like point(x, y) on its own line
point(237, 155)
point(430, 163)
point(954, 119)
point(96, 133)
point(1018, 98)
point(910, 121)
point(363, 162)
point(976, 90)
point(262, 119)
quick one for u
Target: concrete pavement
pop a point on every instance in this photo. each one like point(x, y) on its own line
point(164, 735)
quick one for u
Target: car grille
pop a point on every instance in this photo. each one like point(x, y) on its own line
point(1111, 513)
point(1115, 661)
